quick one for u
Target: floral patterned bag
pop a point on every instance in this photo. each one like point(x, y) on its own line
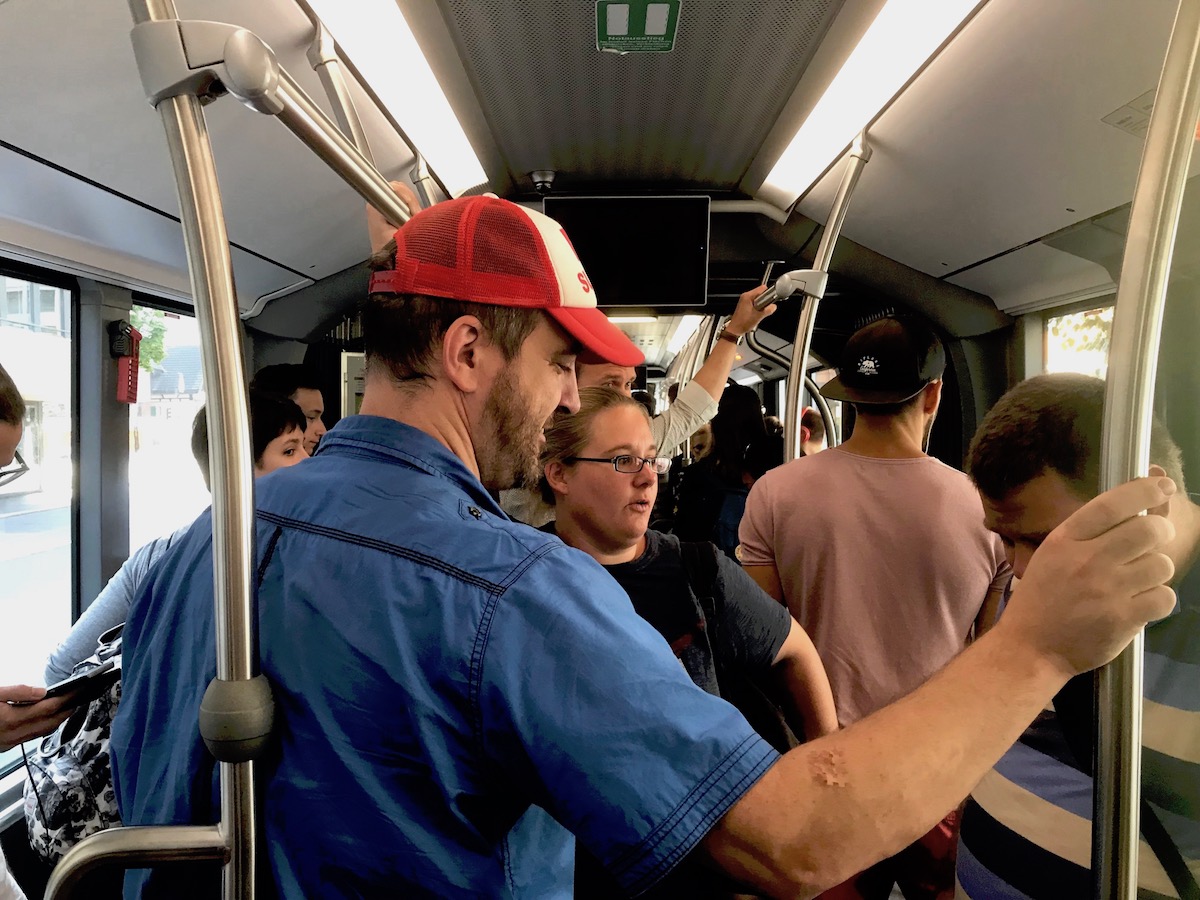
point(69, 793)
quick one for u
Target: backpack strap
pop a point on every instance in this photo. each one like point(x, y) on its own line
point(700, 567)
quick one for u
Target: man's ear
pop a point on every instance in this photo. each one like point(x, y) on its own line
point(1157, 471)
point(556, 476)
point(463, 354)
point(931, 396)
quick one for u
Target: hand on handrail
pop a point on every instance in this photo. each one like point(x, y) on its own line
point(379, 229)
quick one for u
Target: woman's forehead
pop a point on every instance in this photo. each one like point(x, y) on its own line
point(621, 426)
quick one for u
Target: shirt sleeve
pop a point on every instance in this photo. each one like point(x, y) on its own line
point(110, 608)
point(756, 531)
point(755, 625)
point(582, 703)
point(692, 408)
point(1001, 586)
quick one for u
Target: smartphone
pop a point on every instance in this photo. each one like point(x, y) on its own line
point(89, 685)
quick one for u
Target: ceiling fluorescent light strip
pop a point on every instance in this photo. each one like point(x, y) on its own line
point(374, 35)
point(633, 320)
point(687, 326)
point(903, 38)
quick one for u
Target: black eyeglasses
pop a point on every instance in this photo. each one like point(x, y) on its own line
point(13, 472)
point(628, 465)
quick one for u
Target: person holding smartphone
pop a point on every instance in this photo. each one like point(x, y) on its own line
point(24, 713)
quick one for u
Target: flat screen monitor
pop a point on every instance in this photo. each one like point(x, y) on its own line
point(639, 251)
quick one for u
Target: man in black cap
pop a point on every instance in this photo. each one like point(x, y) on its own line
point(879, 551)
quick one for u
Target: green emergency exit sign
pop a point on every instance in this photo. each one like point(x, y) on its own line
point(636, 26)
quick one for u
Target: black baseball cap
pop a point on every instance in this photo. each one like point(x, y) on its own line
point(888, 361)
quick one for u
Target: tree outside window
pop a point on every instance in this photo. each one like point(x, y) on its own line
point(1079, 341)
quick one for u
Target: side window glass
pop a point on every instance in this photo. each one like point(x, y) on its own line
point(166, 488)
point(36, 533)
point(1078, 341)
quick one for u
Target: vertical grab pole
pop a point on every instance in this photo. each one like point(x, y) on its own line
point(215, 302)
point(860, 154)
point(231, 472)
point(1128, 406)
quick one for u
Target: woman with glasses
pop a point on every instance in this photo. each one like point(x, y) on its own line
point(600, 471)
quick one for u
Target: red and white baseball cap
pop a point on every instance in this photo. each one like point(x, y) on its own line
point(487, 250)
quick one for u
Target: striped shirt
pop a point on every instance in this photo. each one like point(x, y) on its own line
point(1026, 832)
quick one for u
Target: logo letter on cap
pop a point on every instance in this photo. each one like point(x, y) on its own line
point(583, 280)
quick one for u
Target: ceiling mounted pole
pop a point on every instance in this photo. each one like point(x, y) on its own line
point(1125, 452)
point(860, 154)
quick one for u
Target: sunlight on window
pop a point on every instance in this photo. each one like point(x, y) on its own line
point(1079, 341)
point(35, 506)
point(166, 489)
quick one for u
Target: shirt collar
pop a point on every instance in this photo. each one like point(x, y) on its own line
point(387, 439)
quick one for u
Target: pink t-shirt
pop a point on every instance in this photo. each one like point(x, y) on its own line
point(885, 562)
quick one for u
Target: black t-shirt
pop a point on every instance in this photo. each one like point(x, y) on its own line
point(747, 639)
point(754, 626)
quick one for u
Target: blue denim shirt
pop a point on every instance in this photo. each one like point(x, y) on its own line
point(454, 692)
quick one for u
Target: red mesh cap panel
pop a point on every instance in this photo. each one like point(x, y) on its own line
point(487, 250)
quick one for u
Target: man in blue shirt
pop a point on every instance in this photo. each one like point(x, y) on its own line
point(456, 692)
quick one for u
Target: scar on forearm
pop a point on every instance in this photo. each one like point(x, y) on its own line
point(828, 768)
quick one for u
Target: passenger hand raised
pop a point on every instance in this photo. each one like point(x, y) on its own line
point(745, 317)
point(379, 229)
point(1097, 579)
point(33, 717)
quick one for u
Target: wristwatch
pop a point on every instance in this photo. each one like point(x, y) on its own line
point(727, 335)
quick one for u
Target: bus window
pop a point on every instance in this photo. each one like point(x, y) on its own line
point(1078, 341)
point(36, 534)
point(166, 489)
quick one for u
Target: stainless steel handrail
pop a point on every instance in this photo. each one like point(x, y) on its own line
point(233, 840)
point(135, 848)
point(231, 476)
point(322, 55)
point(1128, 407)
point(832, 434)
point(306, 120)
point(860, 153)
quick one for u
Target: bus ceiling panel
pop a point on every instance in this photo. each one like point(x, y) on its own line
point(857, 270)
point(73, 98)
point(1102, 239)
point(53, 219)
point(1037, 277)
point(541, 96)
point(1002, 139)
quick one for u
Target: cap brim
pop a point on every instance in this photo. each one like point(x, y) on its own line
point(834, 389)
point(600, 338)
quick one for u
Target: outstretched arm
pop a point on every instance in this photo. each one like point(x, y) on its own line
point(715, 371)
point(835, 806)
